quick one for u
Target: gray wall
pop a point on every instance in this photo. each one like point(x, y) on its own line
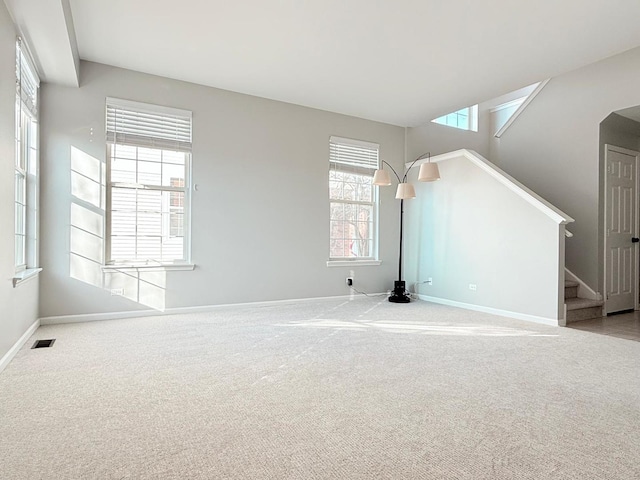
point(554, 148)
point(468, 228)
point(619, 131)
point(259, 218)
point(18, 306)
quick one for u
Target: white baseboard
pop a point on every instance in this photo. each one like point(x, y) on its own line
point(18, 345)
point(93, 317)
point(563, 321)
point(495, 311)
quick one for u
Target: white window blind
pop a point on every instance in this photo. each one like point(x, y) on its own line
point(353, 155)
point(141, 124)
point(352, 199)
point(148, 177)
point(27, 81)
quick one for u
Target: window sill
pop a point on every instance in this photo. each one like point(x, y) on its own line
point(148, 268)
point(21, 277)
point(353, 263)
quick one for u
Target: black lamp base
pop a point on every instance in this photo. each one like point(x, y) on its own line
point(399, 295)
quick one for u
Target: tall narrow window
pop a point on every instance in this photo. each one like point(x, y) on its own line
point(26, 160)
point(352, 199)
point(149, 158)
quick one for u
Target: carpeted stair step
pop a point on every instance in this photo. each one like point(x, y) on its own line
point(582, 309)
point(570, 289)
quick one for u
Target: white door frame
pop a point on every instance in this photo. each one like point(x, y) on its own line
point(636, 283)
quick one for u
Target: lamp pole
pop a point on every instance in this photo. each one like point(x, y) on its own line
point(399, 295)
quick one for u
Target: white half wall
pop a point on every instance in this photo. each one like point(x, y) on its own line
point(260, 228)
point(470, 229)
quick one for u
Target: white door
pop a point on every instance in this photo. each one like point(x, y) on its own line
point(620, 245)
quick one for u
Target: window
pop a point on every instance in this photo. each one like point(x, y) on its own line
point(149, 161)
point(464, 119)
point(26, 160)
point(353, 199)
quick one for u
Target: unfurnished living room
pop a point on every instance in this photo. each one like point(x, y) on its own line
point(319, 239)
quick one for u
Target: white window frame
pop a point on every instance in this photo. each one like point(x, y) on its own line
point(371, 259)
point(470, 112)
point(160, 142)
point(26, 172)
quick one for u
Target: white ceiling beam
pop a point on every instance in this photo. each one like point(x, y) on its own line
point(47, 28)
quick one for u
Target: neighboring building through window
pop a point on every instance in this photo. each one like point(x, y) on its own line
point(352, 199)
point(464, 119)
point(149, 162)
point(26, 160)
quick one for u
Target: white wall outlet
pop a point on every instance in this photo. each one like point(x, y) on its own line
point(117, 291)
point(429, 281)
point(472, 286)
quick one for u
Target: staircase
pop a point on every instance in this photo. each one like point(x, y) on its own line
point(579, 308)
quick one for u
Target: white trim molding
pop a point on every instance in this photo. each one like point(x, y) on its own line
point(495, 311)
point(507, 180)
point(148, 268)
point(353, 263)
point(6, 359)
point(24, 275)
point(521, 108)
point(584, 290)
point(512, 103)
point(94, 317)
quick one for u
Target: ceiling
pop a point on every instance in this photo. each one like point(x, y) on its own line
point(402, 62)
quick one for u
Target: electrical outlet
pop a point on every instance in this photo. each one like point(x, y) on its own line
point(350, 281)
point(117, 291)
point(472, 286)
point(429, 281)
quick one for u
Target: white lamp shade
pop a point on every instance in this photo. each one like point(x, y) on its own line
point(405, 190)
point(381, 177)
point(428, 172)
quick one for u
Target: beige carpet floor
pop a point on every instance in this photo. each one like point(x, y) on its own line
point(322, 390)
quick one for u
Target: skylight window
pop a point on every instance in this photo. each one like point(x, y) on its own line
point(463, 119)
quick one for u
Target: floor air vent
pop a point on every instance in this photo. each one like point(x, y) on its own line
point(43, 343)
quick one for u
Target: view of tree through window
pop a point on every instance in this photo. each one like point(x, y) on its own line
point(352, 200)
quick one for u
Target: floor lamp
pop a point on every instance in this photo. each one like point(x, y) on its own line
point(428, 173)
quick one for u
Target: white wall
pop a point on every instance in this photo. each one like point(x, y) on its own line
point(468, 228)
point(260, 215)
point(554, 148)
point(18, 306)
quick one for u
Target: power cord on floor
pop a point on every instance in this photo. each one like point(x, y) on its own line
point(368, 294)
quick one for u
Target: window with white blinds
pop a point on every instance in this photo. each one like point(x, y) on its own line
point(353, 201)
point(26, 160)
point(149, 160)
